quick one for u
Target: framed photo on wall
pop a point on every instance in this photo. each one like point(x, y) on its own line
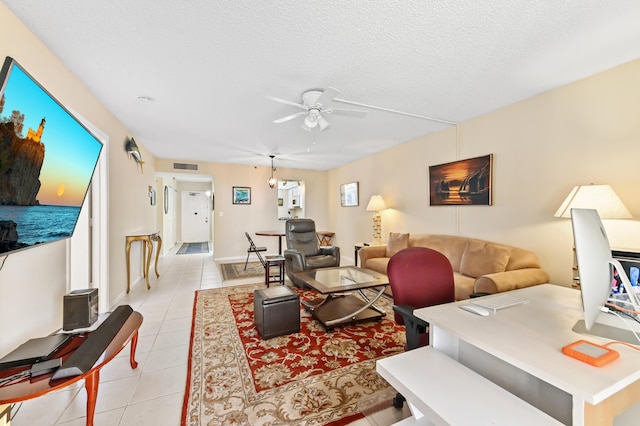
point(464, 182)
point(241, 195)
point(349, 194)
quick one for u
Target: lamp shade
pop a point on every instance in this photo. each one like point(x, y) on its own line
point(311, 120)
point(376, 203)
point(599, 197)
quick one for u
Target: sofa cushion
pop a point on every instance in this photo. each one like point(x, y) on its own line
point(397, 242)
point(480, 258)
point(464, 286)
point(521, 259)
point(378, 264)
point(449, 245)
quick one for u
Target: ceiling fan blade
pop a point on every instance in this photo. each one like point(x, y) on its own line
point(327, 96)
point(283, 101)
point(347, 112)
point(289, 117)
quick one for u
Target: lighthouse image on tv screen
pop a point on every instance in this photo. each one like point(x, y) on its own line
point(47, 159)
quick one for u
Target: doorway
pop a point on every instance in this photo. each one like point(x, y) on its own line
point(196, 216)
point(88, 249)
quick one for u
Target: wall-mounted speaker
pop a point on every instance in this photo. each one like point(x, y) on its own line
point(80, 309)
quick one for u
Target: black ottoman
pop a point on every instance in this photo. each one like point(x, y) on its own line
point(276, 311)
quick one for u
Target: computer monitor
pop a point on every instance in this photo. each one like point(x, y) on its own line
point(595, 263)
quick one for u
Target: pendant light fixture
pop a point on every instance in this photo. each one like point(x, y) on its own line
point(272, 180)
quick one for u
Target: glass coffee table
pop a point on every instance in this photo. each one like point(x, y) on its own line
point(340, 307)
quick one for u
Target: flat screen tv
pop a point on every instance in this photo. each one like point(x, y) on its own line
point(47, 159)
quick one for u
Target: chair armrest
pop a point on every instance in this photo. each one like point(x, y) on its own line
point(510, 280)
point(331, 251)
point(370, 252)
point(414, 325)
point(295, 260)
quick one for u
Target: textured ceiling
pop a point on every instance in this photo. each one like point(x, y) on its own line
point(208, 66)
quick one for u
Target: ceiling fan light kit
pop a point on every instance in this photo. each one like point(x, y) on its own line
point(314, 103)
point(311, 120)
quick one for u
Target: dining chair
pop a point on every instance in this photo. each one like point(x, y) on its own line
point(253, 249)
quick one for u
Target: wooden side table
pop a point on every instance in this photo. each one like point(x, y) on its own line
point(147, 242)
point(324, 237)
point(274, 262)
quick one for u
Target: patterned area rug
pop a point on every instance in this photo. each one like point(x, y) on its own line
point(232, 271)
point(306, 378)
point(194, 248)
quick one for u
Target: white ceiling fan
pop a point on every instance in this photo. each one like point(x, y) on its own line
point(314, 105)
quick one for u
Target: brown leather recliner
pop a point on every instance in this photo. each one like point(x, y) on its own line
point(303, 250)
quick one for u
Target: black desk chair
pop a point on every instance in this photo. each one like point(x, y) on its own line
point(419, 277)
point(253, 249)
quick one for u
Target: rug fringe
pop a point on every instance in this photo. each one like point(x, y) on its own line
point(347, 420)
point(185, 400)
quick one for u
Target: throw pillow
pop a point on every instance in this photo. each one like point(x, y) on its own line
point(396, 243)
point(482, 258)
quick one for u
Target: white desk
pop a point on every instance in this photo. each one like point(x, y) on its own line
point(519, 349)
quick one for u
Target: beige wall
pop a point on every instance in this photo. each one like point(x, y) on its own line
point(231, 221)
point(32, 282)
point(587, 132)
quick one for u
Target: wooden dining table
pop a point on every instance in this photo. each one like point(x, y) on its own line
point(278, 234)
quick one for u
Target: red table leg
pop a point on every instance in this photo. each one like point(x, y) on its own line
point(132, 356)
point(91, 385)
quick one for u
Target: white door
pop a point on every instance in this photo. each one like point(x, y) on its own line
point(196, 212)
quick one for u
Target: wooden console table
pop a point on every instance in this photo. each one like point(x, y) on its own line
point(41, 385)
point(147, 242)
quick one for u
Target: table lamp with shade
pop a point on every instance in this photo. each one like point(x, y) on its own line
point(376, 203)
point(599, 197)
point(602, 198)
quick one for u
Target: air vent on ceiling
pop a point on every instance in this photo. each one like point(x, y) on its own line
point(185, 166)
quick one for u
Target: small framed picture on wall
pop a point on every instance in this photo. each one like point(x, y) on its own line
point(241, 195)
point(349, 194)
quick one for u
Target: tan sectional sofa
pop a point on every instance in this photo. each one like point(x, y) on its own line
point(478, 266)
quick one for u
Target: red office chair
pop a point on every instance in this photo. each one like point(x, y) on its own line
point(418, 277)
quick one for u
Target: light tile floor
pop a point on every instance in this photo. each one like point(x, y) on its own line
point(152, 394)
